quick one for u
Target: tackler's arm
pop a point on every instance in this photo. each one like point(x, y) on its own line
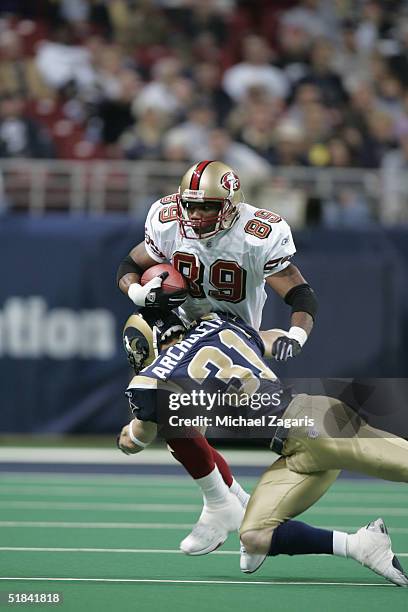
point(135, 436)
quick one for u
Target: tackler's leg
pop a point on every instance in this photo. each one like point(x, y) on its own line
point(344, 441)
point(279, 496)
point(307, 453)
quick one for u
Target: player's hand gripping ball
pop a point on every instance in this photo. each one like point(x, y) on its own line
point(168, 288)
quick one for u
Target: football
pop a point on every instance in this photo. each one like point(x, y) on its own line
point(174, 282)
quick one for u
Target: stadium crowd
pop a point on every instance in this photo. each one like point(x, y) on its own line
point(308, 83)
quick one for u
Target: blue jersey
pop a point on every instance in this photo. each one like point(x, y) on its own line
point(218, 364)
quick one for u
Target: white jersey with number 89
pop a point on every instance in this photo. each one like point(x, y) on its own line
point(225, 273)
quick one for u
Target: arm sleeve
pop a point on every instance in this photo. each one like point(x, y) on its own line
point(279, 249)
point(143, 403)
point(149, 404)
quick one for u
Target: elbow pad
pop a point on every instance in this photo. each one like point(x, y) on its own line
point(302, 298)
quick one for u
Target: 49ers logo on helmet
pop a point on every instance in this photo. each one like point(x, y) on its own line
point(230, 181)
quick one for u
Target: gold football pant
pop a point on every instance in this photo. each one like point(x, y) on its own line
point(314, 456)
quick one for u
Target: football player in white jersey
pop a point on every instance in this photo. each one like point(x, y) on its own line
point(226, 249)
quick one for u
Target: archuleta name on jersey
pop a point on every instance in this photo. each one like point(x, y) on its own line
point(167, 362)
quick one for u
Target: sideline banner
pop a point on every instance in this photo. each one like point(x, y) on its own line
point(62, 367)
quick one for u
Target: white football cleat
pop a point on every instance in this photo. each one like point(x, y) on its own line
point(213, 527)
point(371, 546)
point(250, 563)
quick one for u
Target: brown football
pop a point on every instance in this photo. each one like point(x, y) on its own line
point(174, 282)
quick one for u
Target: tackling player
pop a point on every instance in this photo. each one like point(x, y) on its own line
point(224, 499)
point(311, 459)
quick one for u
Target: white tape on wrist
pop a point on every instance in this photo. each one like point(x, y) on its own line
point(134, 439)
point(137, 294)
point(298, 333)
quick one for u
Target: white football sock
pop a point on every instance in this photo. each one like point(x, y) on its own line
point(237, 490)
point(214, 489)
point(340, 543)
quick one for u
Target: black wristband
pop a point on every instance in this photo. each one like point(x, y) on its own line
point(302, 298)
point(128, 266)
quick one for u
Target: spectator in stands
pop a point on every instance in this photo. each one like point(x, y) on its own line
point(321, 74)
point(169, 91)
point(390, 94)
point(17, 72)
point(202, 16)
point(289, 144)
point(349, 61)
point(304, 95)
point(193, 132)
point(208, 89)
point(258, 127)
point(381, 138)
point(363, 102)
point(147, 79)
point(255, 70)
point(138, 25)
point(348, 210)
point(312, 16)
point(144, 140)
point(115, 111)
point(20, 136)
point(250, 166)
point(174, 148)
point(398, 62)
point(61, 62)
point(372, 26)
point(108, 66)
point(317, 126)
point(294, 45)
point(254, 95)
point(394, 166)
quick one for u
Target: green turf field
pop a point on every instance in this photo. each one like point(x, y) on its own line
point(111, 542)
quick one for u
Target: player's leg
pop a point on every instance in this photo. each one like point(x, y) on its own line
point(343, 441)
point(268, 528)
point(225, 471)
point(279, 496)
point(223, 511)
point(200, 458)
point(298, 480)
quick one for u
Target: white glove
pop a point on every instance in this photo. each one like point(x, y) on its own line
point(151, 294)
point(138, 294)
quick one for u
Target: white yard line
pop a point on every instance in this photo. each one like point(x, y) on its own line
point(165, 508)
point(153, 456)
point(70, 525)
point(97, 491)
point(100, 506)
point(116, 525)
point(138, 551)
point(212, 582)
point(107, 491)
point(101, 480)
